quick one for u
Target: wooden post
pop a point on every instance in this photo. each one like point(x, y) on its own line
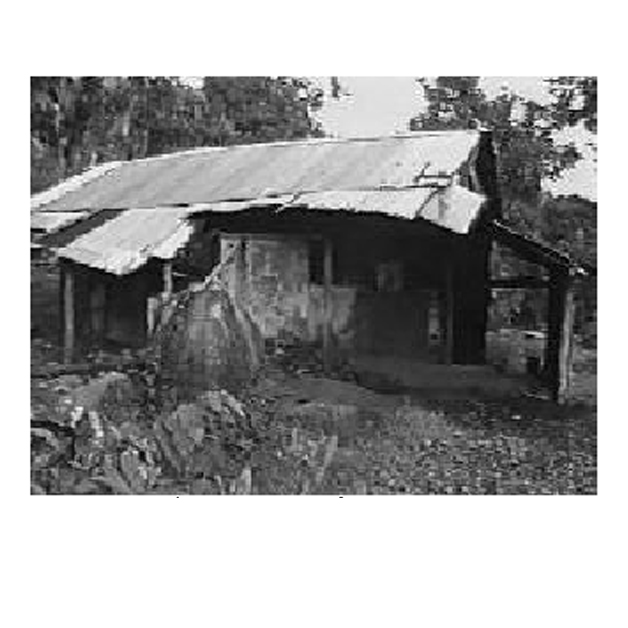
point(327, 305)
point(68, 314)
point(471, 260)
point(558, 349)
point(97, 310)
point(449, 313)
point(151, 310)
point(167, 281)
point(240, 287)
point(566, 344)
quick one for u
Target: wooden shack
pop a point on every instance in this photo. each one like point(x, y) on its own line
point(367, 246)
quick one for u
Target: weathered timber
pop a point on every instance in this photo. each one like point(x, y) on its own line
point(68, 313)
point(449, 305)
point(528, 249)
point(167, 278)
point(518, 283)
point(151, 309)
point(97, 310)
point(241, 275)
point(558, 351)
point(327, 297)
point(471, 303)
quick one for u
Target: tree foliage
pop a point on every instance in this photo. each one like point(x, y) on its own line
point(78, 121)
point(523, 133)
point(522, 129)
point(576, 100)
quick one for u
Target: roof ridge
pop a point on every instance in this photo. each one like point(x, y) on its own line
point(306, 142)
point(399, 155)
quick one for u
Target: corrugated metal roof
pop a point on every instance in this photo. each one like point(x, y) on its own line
point(259, 170)
point(454, 208)
point(404, 203)
point(49, 222)
point(71, 184)
point(124, 243)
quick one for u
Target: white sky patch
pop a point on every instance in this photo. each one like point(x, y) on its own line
point(384, 105)
point(582, 178)
point(530, 87)
point(376, 106)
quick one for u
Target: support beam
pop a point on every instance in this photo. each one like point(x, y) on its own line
point(68, 314)
point(566, 345)
point(167, 278)
point(558, 350)
point(151, 311)
point(327, 322)
point(449, 325)
point(471, 260)
point(97, 311)
point(241, 274)
point(518, 283)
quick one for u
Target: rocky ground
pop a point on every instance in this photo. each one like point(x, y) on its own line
point(408, 444)
point(292, 433)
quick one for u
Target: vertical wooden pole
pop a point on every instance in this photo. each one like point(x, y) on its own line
point(470, 258)
point(566, 344)
point(327, 322)
point(243, 272)
point(449, 314)
point(167, 278)
point(558, 349)
point(68, 314)
point(151, 309)
point(97, 310)
point(552, 344)
point(240, 278)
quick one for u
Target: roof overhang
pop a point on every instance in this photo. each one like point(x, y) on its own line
point(125, 243)
point(534, 251)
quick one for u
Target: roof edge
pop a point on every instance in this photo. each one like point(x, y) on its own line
point(72, 184)
point(534, 250)
point(86, 176)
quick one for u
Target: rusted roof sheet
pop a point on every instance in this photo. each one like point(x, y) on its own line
point(126, 242)
point(259, 170)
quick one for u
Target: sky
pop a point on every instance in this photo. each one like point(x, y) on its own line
point(384, 105)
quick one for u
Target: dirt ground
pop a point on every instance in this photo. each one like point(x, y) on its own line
point(325, 436)
point(391, 444)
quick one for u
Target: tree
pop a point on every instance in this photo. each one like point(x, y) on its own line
point(575, 100)
point(522, 131)
point(79, 121)
point(523, 135)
